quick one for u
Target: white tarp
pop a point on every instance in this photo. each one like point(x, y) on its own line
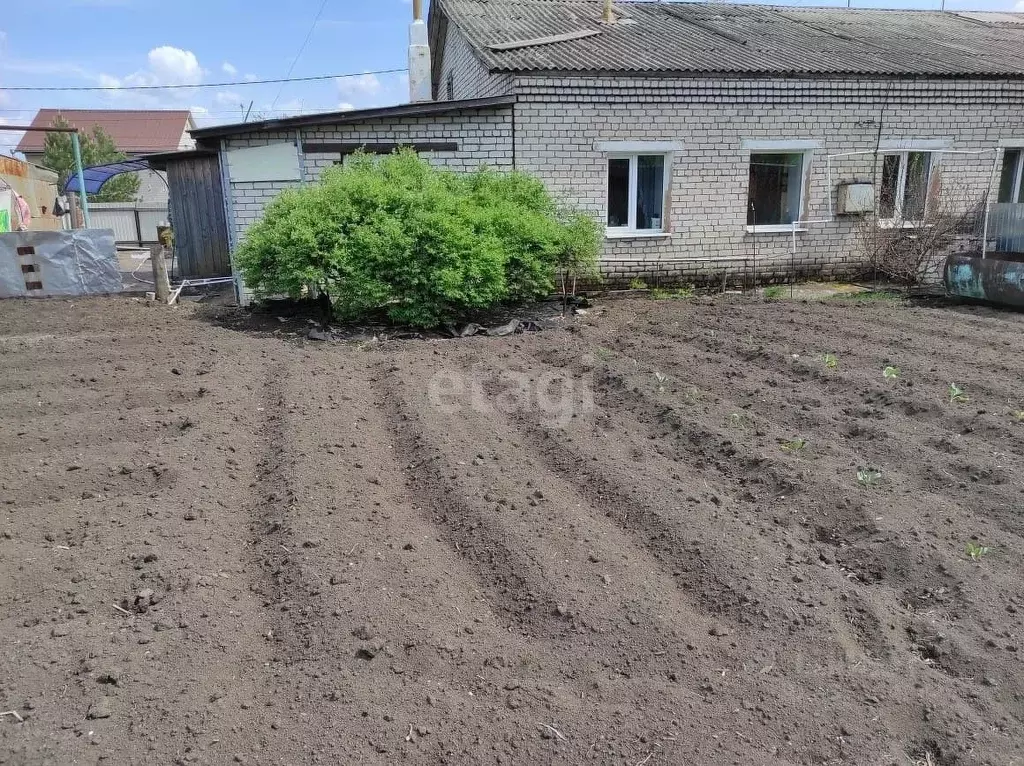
point(43, 264)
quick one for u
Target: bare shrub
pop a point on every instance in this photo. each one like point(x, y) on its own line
point(911, 252)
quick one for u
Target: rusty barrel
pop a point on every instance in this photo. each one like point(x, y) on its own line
point(996, 278)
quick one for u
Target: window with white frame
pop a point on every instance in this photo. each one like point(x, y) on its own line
point(1011, 180)
point(637, 184)
point(776, 188)
point(903, 195)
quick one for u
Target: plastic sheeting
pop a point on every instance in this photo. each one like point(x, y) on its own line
point(44, 264)
point(97, 175)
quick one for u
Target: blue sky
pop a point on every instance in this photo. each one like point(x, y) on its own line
point(125, 42)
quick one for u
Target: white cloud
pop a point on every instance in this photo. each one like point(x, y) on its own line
point(167, 65)
point(228, 68)
point(360, 85)
point(174, 66)
point(345, 106)
point(1019, 7)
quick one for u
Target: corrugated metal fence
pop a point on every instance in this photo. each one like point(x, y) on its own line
point(132, 224)
point(1006, 227)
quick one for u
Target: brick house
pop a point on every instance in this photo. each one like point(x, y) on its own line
point(736, 141)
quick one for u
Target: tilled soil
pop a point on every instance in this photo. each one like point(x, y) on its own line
point(639, 539)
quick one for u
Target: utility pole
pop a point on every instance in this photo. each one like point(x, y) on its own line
point(77, 146)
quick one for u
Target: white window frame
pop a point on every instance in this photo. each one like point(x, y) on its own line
point(632, 151)
point(1018, 175)
point(934, 147)
point(784, 146)
point(901, 185)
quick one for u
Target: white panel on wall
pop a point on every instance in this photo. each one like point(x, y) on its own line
point(273, 162)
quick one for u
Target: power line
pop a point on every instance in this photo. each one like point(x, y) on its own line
point(302, 48)
point(76, 88)
point(196, 114)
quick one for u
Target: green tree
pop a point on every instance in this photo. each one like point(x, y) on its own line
point(97, 148)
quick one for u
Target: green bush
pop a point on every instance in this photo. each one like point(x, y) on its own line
point(427, 245)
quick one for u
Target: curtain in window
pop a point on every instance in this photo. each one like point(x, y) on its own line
point(890, 186)
point(916, 193)
point(650, 192)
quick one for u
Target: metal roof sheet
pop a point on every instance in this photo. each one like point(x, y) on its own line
point(134, 131)
point(428, 108)
point(651, 37)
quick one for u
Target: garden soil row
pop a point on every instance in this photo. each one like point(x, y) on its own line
point(664, 532)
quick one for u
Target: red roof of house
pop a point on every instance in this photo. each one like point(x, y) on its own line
point(135, 131)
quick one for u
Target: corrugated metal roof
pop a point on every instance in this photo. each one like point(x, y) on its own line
point(716, 38)
point(134, 131)
point(427, 109)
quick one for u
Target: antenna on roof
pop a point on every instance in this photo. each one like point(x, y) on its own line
point(609, 12)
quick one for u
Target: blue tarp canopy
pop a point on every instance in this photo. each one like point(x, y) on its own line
point(98, 175)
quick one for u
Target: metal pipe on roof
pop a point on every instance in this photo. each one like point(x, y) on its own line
point(420, 89)
point(609, 12)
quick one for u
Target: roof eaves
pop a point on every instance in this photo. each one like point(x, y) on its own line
point(425, 109)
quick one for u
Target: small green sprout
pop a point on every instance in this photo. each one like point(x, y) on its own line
point(1018, 415)
point(957, 395)
point(737, 419)
point(660, 295)
point(976, 551)
point(869, 477)
point(773, 293)
point(891, 373)
point(831, 361)
point(661, 378)
point(604, 354)
point(794, 445)
point(637, 284)
point(686, 291)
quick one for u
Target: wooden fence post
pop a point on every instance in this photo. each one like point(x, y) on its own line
point(162, 285)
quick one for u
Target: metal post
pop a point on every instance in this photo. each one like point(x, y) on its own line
point(988, 200)
point(77, 147)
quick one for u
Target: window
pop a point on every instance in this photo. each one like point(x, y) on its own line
point(904, 192)
point(449, 86)
point(636, 193)
point(1011, 181)
point(775, 193)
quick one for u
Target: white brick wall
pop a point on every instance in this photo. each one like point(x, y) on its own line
point(484, 137)
point(470, 78)
point(559, 119)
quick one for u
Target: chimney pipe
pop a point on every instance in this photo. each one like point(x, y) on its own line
point(609, 14)
point(419, 57)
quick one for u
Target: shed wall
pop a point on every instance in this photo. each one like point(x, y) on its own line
point(484, 137)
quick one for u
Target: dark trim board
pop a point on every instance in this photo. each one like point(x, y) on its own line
point(318, 147)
